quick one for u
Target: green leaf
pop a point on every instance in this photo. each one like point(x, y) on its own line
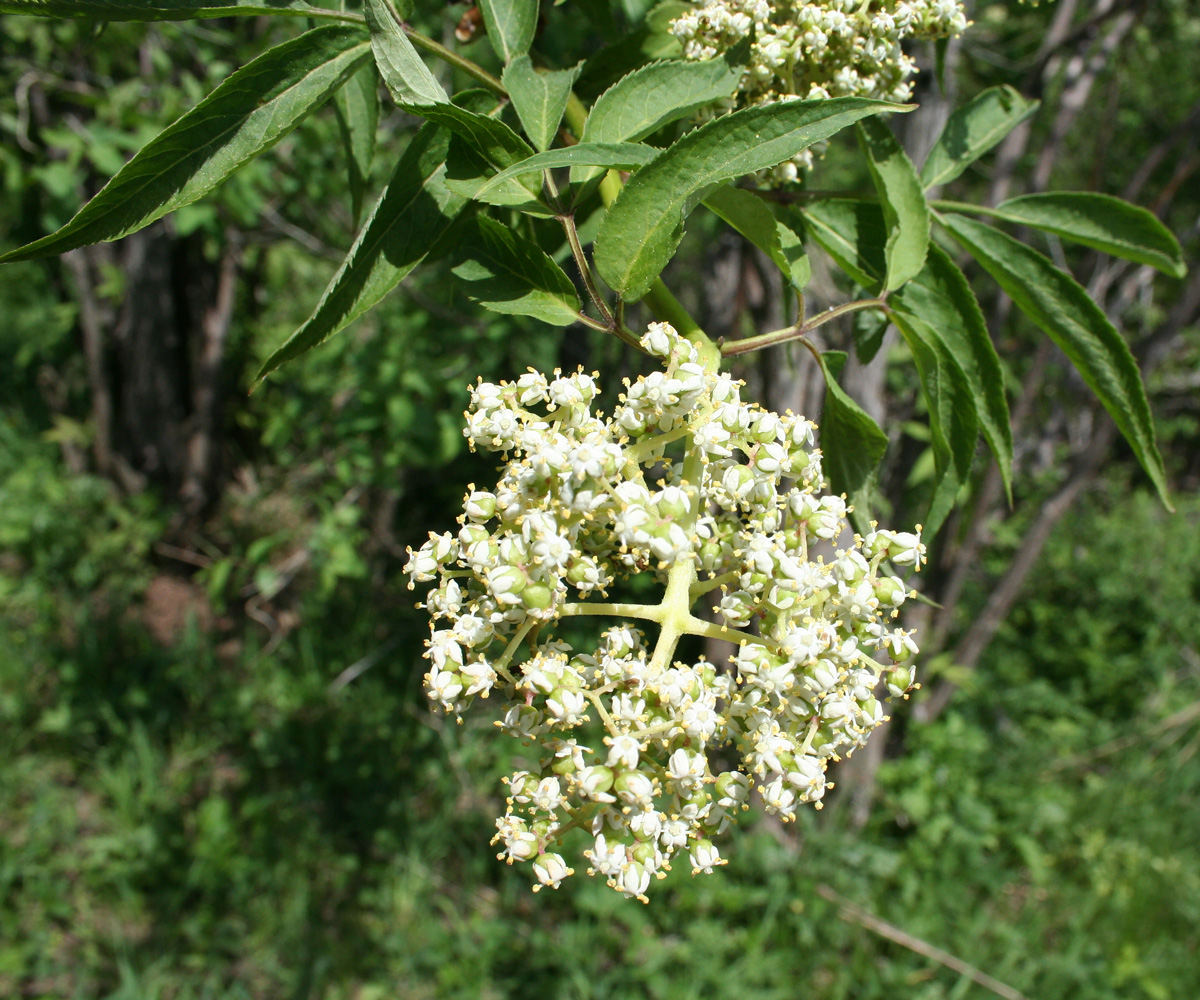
point(854, 234)
point(867, 329)
point(851, 442)
point(509, 274)
point(540, 98)
point(1099, 221)
point(952, 419)
point(511, 25)
point(357, 105)
point(161, 10)
point(645, 224)
point(653, 96)
point(905, 211)
point(412, 215)
point(972, 130)
point(1062, 309)
point(247, 114)
point(489, 137)
point(751, 217)
point(470, 176)
point(402, 69)
point(622, 155)
point(941, 298)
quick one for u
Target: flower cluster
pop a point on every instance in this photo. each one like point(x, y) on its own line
point(718, 501)
point(817, 49)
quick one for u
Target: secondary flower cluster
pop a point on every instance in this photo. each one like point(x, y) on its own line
point(817, 49)
point(719, 502)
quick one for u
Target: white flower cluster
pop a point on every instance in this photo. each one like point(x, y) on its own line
point(817, 49)
point(684, 482)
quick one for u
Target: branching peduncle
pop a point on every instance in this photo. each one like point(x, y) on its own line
point(800, 330)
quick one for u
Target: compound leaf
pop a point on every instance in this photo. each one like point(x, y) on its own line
point(1060, 306)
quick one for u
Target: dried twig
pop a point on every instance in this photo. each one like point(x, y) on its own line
point(853, 913)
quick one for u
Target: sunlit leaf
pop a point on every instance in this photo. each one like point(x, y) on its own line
point(751, 217)
point(645, 224)
point(972, 130)
point(905, 211)
point(539, 98)
point(511, 25)
point(161, 10)
point(1099, 221)
point(402, 68)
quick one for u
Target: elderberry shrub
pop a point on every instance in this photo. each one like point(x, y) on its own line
point(572, 512)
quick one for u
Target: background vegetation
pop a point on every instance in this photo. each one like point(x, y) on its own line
point(219, 775)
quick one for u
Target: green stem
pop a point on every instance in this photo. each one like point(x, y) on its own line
point(800, 330)
point(322, 13)
point(473, 70)
point(585, 270)
point(704, 586)
point(636, 451)
point(646, 612)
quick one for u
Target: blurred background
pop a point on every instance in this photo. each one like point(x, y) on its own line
point(218, 774)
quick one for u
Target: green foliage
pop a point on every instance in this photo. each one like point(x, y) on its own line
point(208, 820)
point(905, 211)
point(1053, 300)
point(972, 130)
point(643, 228)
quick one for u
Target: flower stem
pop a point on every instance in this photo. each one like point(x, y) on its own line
point(800, 330)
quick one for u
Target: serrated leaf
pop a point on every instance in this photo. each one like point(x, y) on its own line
point(357, 105)
point(1060, 306)
point(247, 114)
point(621, 155)
point(972, 130)
point(1100, 221)
point(854, 234)
point(470, 176)
point(851, 442)
point(539, 98)
point(799, 270)
point(905, 211)
point(511, 25)
point(751, 217)
point(161, 10)
point(499, 145)
point(655, 95)
point(403, 70)
point(413, 213)
point(509, 274)
point(941, 297)
point(645, 224)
